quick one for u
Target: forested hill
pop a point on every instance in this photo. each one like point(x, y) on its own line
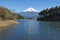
point(50, 14)
point(6, 14)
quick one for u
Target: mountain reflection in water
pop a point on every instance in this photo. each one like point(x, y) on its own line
point(31, 30)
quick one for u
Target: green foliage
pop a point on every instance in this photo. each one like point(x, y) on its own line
point(6, 14)
point(17, 16)
point(50, 14)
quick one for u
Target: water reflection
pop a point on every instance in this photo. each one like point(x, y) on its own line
point(50, 30)
point(32, 30)
point(4, 31)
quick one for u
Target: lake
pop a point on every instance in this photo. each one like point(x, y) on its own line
point(32, 30)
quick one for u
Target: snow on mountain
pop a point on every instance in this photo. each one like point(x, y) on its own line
point(29, 13)
point(30, 10)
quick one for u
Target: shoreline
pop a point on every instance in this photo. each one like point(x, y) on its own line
point(8, 23)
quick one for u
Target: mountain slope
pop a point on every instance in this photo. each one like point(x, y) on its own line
point(6, 14)
point(29, 13)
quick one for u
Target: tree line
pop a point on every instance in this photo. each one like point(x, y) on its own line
point(50, 14)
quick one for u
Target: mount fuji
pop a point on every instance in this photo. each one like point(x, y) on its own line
point(29, 13)
point(30, 10)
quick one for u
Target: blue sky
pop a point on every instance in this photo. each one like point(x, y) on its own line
point(19, 5)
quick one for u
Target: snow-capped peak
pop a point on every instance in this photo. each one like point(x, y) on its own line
point(30, 10)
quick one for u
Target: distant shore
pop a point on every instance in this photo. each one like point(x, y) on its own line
point(8, 23)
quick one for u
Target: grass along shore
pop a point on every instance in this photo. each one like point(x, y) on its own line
point(8, 23)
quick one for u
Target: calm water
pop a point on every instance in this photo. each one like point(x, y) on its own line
point(32, 30)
